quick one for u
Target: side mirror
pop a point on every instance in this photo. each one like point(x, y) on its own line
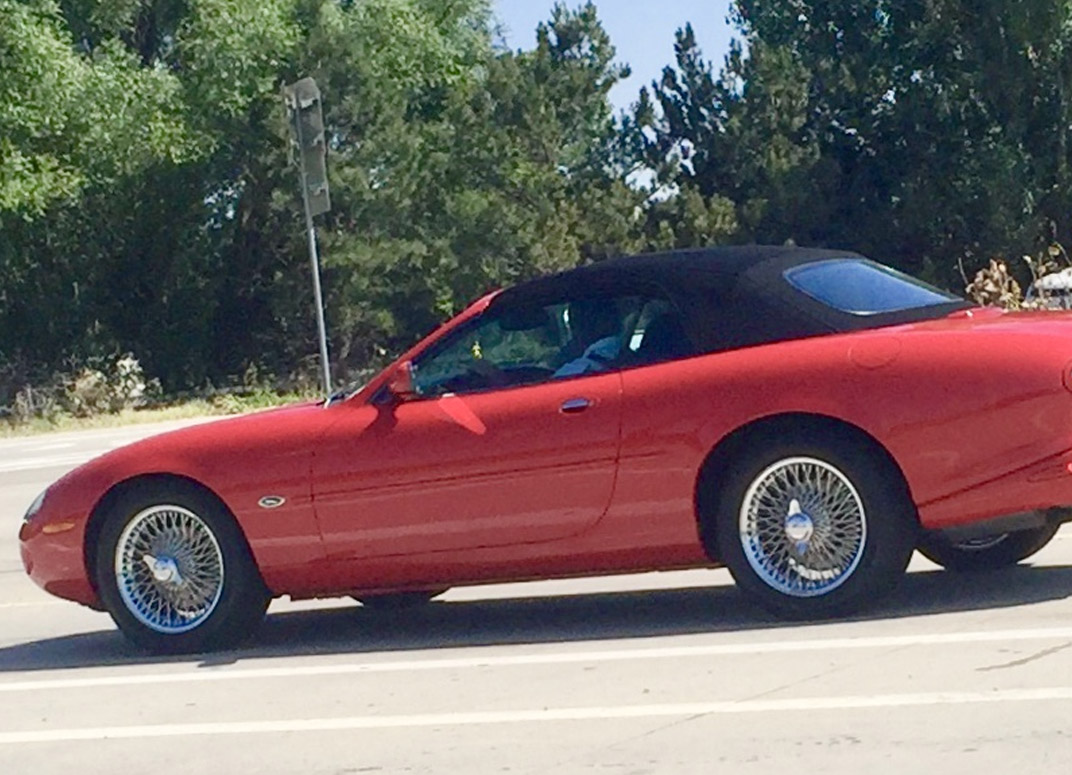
point(401, 382)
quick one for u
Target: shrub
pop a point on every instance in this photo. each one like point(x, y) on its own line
point(995, 286)
point(105, 387)
point(101, 386)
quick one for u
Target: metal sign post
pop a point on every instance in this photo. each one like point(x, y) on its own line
point(306, 116)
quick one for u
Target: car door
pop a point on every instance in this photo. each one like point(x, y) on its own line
point(494, 450)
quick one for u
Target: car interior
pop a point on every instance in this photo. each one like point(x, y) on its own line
point(528, 344)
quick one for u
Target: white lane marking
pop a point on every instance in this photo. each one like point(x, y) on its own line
point(67, 459)
point(32, 605)
point(100, 444)
point(597, 713)
point(49, 447)
point(37, 445)
point(53, 461)
point(553, 658)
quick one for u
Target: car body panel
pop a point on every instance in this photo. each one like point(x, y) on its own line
point(52, 546)
point(926, 405)
point(432, 475)
point(238, 459)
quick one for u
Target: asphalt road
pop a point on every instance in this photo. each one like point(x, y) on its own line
point(659, 673)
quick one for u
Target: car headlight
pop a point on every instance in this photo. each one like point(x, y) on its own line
point(35, 507)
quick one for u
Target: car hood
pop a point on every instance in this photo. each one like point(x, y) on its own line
point(215, 449)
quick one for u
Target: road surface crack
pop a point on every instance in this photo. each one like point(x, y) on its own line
point(1019, 662)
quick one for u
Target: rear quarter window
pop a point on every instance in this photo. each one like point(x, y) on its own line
point(861, 287)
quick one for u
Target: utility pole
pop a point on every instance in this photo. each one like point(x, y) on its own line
point(306, 116)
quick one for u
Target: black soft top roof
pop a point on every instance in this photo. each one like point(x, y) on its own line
point(730, 296)
point(721, 264)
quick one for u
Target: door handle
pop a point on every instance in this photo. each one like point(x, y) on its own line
point(574, 405)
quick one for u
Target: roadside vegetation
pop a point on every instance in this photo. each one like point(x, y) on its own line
point(176, 409)
point(148, 214)
point(113, 392)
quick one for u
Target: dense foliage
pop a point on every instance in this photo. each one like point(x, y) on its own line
point(147, 205)
point(922, 132)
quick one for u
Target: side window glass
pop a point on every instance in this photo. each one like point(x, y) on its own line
point(512, 347)
point(524, 345)
point(658, 335)
point(619, 332)
point(597, 333)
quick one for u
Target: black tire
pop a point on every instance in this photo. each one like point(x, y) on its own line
point(221, 608)
point(855, 547)
point(1000, 551)
point(399, 601)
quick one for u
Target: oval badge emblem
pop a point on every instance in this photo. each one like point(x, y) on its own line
point(271, 501)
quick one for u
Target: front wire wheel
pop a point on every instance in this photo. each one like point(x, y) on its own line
point(169, 569)
point(175, 572)
point(812, 530)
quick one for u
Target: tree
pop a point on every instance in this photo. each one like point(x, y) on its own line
point(922, 133)
point(469, 185)
point(72, 126)
point(147, 201)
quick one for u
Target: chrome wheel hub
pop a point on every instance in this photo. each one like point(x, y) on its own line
point(169, 569)
point(165, 570)
point(799, 527)
point(802, 527)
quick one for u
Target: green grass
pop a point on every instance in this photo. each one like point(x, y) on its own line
point(220, 405)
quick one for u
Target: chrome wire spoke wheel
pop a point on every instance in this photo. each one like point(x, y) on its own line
point(802, 527)
point(169, 569)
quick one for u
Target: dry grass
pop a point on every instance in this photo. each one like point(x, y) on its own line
point(179, 411)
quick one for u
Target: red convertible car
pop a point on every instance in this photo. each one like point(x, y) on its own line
point(806, 418)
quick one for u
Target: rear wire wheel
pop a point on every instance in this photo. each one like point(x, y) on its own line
point(175, 573)
point(986, 554)
point(803, 527)
point(813, 530)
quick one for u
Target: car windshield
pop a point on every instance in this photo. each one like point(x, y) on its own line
point(862, 287)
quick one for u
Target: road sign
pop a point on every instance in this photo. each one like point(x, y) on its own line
point(305, 111)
